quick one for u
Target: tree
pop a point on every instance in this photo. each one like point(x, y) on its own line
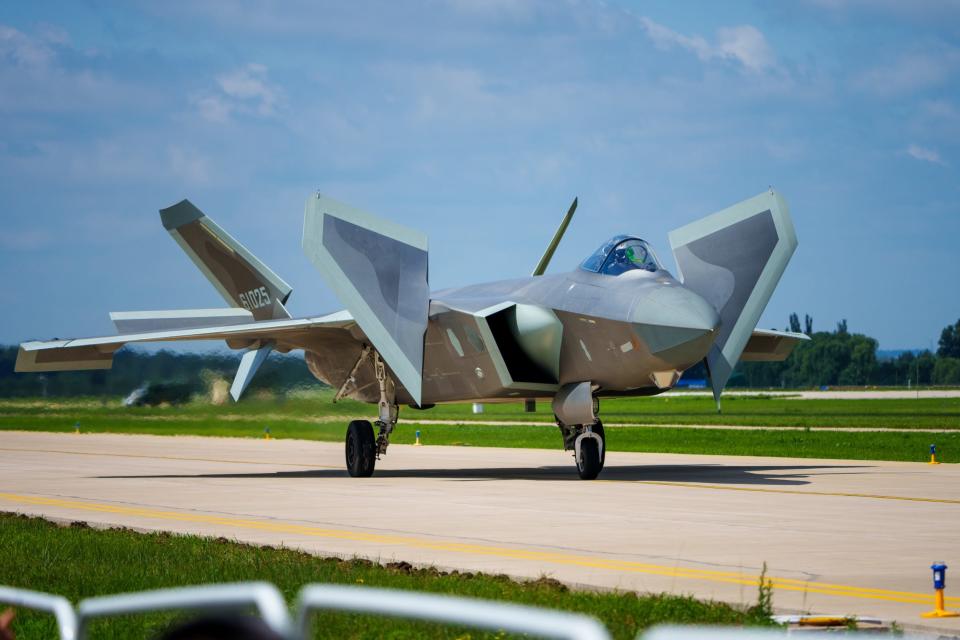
point(808, 325)
point(949, 346)
point(924, 367)
point(794, 323)
point(946, 371)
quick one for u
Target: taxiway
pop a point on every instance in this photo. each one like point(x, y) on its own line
point(837, 537)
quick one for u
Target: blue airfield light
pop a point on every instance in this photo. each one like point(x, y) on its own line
point(939, 575)
point(939, 601)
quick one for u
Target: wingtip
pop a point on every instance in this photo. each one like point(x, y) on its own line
point(184, 212)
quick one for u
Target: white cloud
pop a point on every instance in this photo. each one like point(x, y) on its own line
point(666, 38)
point(744, 44)
point(244, 90)
point(40, 74)
point(922, 153)
point(213, 108)
point(250, 84)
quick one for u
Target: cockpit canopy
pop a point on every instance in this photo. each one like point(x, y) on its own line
point(620, 254)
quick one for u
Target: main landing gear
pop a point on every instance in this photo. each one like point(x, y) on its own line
point(362, 448)
point(577, 414)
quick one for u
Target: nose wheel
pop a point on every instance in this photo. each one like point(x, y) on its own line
point(589, 446)
point(590, 451)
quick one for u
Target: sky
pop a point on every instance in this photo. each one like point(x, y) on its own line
point(478, 122)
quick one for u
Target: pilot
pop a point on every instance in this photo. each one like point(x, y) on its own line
point(627, 258)
point(637, 254)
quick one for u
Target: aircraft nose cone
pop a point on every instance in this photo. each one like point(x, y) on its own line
point(675, 306)
point(697, 312)
point(676, 324)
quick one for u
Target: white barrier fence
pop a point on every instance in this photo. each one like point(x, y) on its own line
point(268, 602)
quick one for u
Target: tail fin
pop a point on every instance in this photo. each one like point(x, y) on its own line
point(734, 259)
point(378, 269)
point(548, 254)
point(236, 273)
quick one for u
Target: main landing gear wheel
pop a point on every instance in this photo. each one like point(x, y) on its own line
point(361, 449)
point(589, 462)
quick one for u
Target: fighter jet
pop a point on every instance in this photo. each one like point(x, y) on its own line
point(620, 324)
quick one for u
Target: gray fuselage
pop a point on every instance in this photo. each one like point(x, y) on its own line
point(629, 334)
point(632, 333)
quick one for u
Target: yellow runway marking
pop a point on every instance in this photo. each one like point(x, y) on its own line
point(840, 494)
point(786, 584)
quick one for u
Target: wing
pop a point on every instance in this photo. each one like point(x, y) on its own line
point(771, 346)
point(257, 320)
point(282, 335)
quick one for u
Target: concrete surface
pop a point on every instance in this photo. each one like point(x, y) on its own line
point(838, 537)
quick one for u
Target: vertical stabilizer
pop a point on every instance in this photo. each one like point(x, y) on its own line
point(237, 274)
point(734, 260)
point(378, 269)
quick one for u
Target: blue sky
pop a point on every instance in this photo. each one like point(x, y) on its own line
point(478, 122)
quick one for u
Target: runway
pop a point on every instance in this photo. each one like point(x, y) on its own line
point(838, 537)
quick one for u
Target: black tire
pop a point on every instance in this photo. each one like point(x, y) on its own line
point(598, 429)
point(588, 462)
point(360, 449)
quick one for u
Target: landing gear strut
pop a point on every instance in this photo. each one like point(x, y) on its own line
point(577, 413)
point(362, 448)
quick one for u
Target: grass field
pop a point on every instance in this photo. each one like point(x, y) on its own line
point(79, 562)
point(312, 416)
point(316, 406)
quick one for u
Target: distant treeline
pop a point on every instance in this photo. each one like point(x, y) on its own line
point(830, 358)
point(841, 358)
point(133, 368)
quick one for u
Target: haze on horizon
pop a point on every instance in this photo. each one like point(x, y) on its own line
point(478, 122)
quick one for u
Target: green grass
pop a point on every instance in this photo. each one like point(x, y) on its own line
point(313, 417)
point(79, 562)
point(316, 406)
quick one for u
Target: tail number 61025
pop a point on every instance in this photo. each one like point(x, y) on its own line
point(255, 299)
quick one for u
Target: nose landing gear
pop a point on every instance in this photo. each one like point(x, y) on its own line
point(576, 411)
point(589, 446)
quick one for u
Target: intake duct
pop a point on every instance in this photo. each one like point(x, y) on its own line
point(529, 340)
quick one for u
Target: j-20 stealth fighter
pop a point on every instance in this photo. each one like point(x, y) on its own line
point(618, 325)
